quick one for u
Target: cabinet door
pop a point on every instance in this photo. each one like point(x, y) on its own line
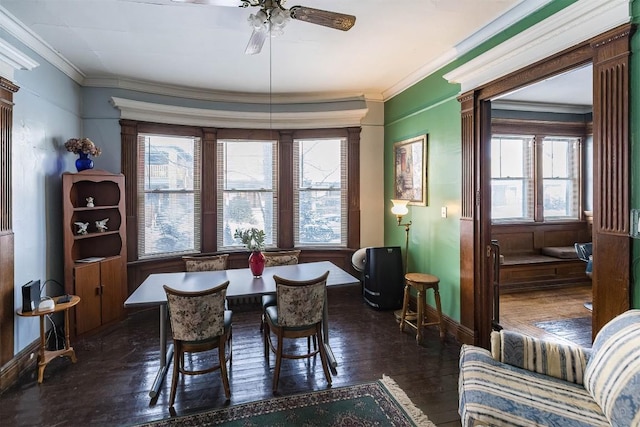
point(112, 281)
point(87, 287)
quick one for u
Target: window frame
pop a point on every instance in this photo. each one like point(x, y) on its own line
point(540, 130)
point(298, 189)
point(221, 190)
point(141, 192)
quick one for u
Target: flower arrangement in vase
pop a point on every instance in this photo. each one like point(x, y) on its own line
point(84, 148)
point(253, 239)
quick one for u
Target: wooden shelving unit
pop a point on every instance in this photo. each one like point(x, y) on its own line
point(101, 284)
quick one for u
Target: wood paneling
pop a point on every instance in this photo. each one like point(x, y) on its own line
point(7, 315)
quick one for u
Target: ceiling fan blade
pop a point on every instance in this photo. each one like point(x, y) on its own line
point(256, 42)
point(230, 3)
point(339, 21)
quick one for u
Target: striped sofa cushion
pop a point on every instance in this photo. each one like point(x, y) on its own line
point(612, 375)
point(497, 394)
point(563, 361)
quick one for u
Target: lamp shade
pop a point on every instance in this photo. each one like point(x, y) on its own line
point(399, 207)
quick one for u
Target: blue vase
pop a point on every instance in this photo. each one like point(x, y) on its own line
point(83, 162)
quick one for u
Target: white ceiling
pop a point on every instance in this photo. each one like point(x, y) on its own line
point(392, 45)
point(568, 92)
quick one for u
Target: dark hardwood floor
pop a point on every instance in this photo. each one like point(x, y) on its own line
point(116, 367)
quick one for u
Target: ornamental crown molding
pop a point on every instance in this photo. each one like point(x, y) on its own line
point(17, 29)
point(170, 114)
point(575, 24)
point(504, 21)
point(12, 59)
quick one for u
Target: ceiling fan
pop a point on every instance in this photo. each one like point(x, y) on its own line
point(273, 16)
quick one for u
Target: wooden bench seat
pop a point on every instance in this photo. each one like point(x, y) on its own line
point(524, 272)
point(539, 256)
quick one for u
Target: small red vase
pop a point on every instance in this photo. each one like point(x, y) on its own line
point(256, 263)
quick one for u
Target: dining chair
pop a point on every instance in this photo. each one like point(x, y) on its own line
point(206, 263)
point(298, 313)
point(274, 259)
point(199, 322)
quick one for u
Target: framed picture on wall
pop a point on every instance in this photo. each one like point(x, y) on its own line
point(410, 170)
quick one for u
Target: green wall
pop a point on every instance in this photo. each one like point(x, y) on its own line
point(430, 107)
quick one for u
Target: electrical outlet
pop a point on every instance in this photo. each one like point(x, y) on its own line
point(443, 212)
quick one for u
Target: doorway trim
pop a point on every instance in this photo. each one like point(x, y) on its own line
point(609, 54)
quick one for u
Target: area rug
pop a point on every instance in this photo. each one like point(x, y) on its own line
point(380, 403)
point(577, 329)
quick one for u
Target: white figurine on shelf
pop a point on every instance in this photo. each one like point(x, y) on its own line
point(102, 225)
point(82, 227)
point(90, 202)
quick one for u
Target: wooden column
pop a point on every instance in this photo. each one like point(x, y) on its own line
point(468, 262)
point(7, 298)
point(129, 166)
point(285, 190)
point(353, 179)
point(611, 242)
point(209, 202)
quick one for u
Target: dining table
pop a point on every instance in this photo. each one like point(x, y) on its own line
point(242, 283)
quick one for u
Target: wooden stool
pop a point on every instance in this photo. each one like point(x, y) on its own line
point(421, 282)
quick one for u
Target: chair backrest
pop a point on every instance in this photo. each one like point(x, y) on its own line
point(205, 263)
point(281, 258)
point(196, 316)
point(300, 303)
point(584, 250)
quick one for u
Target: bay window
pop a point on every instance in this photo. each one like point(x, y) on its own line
point(189, 188)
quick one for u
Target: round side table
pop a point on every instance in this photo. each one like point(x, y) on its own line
point(45, 355)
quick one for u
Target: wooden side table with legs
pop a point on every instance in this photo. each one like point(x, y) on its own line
point(45, 355)
point(421, 282)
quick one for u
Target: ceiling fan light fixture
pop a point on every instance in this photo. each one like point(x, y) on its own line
point(258, 21)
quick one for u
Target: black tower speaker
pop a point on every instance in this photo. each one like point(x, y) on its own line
point(383, 278)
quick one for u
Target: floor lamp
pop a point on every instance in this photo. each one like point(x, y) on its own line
point(399, 209)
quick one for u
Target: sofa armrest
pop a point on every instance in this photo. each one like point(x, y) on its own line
point(564, 361)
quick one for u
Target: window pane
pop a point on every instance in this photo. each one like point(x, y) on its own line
point(168, 163)
point(507, 199)
point(320, 166)
point(246, 189)
point(320, 203)
point(248, 165)
point(556, 161)
point(169, 223)
point(247, 210)
point(320, 220)
point(557, 198)
point(507, 157)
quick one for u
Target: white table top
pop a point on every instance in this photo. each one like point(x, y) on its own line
point(241, 281)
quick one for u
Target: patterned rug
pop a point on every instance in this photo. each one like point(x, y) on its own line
point(380, 403)
point(576, 330)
